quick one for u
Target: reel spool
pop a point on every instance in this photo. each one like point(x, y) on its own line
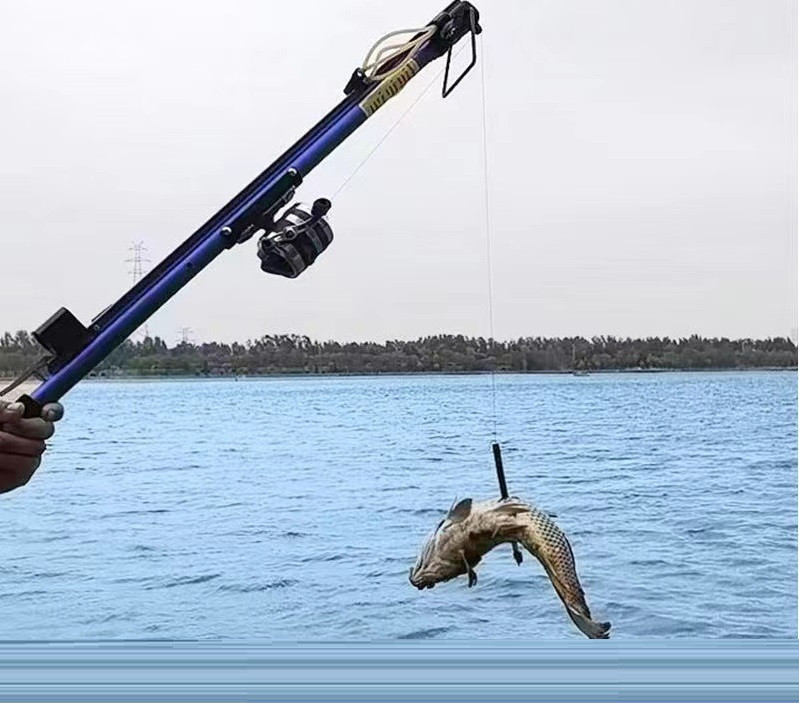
point(296, 240)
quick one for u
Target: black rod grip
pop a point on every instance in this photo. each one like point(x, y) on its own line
point(33, 408)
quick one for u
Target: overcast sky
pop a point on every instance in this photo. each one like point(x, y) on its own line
point(642, 166)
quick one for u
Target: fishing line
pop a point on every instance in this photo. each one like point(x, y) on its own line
point(495, 447)
point(396, 124)
point(487, 210)
point(486, 204)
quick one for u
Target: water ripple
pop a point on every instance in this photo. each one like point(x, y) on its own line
point(678, 493)
point(256, 587)
point(186, 581)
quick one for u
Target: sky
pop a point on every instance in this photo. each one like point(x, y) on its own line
point(641, 166)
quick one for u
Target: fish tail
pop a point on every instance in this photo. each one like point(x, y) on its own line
point(590, 628)
point(554, 552)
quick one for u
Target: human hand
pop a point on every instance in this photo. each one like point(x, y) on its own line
point(22, 442)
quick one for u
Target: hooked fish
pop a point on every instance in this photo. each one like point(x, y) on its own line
point(471, 530)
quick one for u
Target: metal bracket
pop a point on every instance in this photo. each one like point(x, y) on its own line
point(38, 369)
point(447, 89)
point(261, 212)
point(61, 336)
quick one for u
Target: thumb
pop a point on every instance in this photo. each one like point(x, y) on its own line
point(11, 412)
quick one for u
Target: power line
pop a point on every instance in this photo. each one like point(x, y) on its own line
point(184, 334)
point(138, 260)
point(137, 272)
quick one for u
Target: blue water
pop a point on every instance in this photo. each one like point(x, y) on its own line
point(291, 509)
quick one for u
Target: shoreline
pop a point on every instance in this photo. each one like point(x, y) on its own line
point(344, 374)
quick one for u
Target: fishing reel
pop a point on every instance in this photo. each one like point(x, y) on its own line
point(295, 241)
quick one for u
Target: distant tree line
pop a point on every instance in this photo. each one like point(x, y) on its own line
point(288, 353)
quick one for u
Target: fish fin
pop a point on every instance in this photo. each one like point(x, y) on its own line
point(511, 506)
point(590, 628)
point(461, 510)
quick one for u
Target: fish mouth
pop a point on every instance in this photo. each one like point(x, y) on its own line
point(418, 582)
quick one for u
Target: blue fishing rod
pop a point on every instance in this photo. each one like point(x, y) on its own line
point(287, 243)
